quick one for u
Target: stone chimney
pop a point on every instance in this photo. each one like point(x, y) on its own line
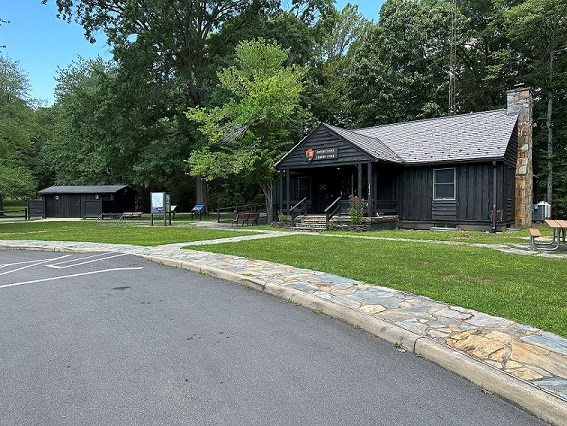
point(520, 102)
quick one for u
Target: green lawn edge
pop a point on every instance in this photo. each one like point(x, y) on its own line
point(131, 232)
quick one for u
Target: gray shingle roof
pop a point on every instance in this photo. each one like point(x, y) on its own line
point(373, 146)
point(466, 137)
point(86, 189)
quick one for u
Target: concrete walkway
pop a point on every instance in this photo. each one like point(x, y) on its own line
point(521, 363)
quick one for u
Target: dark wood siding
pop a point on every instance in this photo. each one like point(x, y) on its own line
point(508, 192)
point(386, 182)
point(413, 188)
point(511, 154)
point(474, 191)
point(444, 210)
point(415, 185)
point(93, 208)
point(319, 139)
point(36, 208)
point(50, 209)
point(75, 205)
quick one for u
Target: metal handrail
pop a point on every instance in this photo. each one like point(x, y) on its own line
point(333, 208)
point(296, 211)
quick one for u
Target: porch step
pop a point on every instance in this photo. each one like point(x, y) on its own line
point(309, 228)
point(311, 223)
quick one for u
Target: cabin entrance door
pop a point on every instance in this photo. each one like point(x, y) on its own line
point(329, 183)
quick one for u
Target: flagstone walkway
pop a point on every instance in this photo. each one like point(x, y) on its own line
point(528, 354)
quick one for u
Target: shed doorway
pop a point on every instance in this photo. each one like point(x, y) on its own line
point(75, 206)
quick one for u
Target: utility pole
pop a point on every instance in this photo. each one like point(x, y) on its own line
point(453, 60)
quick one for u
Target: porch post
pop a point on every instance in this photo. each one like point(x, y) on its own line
point(370, 190)
point(375, 186)
point(280, 192)
point(288, 189)
point(359, 167)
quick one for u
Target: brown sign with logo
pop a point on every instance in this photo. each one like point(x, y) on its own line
point(321, 154)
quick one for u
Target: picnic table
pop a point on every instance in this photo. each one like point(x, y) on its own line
point(559, 228)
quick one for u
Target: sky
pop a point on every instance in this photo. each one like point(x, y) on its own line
point(41, 43)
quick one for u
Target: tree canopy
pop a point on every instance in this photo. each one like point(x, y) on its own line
point(125, 120)
point(16, 130)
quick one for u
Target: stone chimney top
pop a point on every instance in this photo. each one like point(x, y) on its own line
point(517, 98)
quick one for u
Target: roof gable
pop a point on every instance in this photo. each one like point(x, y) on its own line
point(329, 148)
point(371, 145)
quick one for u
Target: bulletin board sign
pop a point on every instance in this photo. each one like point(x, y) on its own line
point(157, 202)
point(160, 205)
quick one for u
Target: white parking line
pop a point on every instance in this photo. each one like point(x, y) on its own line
point(55, 265)
point(41, 262)
point(71, 276)
point(85, 257)
point(5, 265)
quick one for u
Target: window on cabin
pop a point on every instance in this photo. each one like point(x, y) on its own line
point(444, 184)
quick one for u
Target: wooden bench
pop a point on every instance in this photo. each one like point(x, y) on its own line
point(131, 215)
point(534, 233)
point(109, 216)
point(246, 218)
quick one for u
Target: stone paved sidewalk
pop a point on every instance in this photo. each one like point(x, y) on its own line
point(534, 356)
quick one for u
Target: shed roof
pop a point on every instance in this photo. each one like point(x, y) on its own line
point(480, 136)
point(82, 189)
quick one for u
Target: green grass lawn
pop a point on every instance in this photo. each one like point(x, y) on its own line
point(527, 289)
point(505, 237)
point(131, 232)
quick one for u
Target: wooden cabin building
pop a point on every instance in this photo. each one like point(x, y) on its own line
point(87, 201)
point(472, 171)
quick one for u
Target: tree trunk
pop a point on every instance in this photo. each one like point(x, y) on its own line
point(202, 193)
point(268, 190)
point(1, 205)
point(550, 131)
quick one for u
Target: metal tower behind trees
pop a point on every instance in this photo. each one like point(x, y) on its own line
point(453, 60)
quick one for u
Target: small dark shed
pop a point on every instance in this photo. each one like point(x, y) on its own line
point(472, 170)
point(87, 201)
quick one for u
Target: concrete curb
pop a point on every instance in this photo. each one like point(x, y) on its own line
point(536, 401)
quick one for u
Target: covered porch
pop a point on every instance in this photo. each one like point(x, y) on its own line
point(320, 189)
point(329, 167)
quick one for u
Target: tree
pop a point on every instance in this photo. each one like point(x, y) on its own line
point(485, 57)
point(16, 124)
point(250, 132)
point(337, 36)
point(400, 70)
point(540, 28)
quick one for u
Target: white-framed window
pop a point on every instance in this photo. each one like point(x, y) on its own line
point(444, 184)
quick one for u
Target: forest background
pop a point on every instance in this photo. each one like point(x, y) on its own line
point(222, 88)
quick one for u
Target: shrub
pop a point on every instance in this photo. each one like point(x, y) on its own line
point(356, 210)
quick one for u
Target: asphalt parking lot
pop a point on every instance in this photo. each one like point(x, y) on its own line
point(109, 338)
